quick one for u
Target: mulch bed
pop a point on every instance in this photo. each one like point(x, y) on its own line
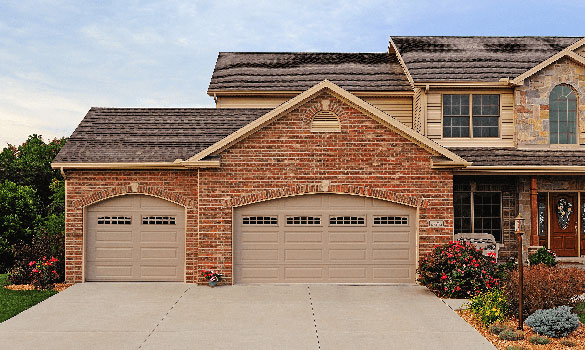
point(578, 336)
point(59, 287)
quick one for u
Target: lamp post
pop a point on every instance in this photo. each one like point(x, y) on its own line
point(519, 230)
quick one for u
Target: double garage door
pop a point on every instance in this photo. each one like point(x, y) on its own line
point(135, 238)
point(312, 238)
point(325, 238)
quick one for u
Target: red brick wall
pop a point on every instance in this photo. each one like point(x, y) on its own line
point(286, 153)
point(284, 157)
point(88, 187)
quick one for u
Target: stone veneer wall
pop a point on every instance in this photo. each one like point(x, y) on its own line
point(532, 100)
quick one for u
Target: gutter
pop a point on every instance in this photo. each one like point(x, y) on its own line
point(524, 169)
point(178, 164)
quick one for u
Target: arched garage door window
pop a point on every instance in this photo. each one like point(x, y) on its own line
point(563, 115)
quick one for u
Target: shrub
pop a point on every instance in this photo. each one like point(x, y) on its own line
point(567, 342)
point(489, 307)
point(538, 340)
point(515, 347)
point(19, 216)
point(545, 287)
point(497, 328)
point(543, 256)
point(579, 309)
point(457, 270)
point(44, 244)
point(557, 322)
point(510, 334)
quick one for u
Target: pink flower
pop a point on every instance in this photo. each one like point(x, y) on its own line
point(35, 270)
point(31, 263)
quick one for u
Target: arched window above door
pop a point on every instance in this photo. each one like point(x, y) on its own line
point(563, 115)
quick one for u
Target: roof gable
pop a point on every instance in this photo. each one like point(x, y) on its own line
point(569, 52)
point(376, 114)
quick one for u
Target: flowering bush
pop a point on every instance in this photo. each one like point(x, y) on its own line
point(43, 273)
point(458, 270)
point(212, 276)
point(490, 307)
point(543, 256)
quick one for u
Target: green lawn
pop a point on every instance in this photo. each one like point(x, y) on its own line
point(13, 302)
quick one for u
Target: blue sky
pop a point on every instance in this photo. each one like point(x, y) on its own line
point(59, 58)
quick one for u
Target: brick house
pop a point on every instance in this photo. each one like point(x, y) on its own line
point(334, 167)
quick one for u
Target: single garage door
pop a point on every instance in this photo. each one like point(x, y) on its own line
point(135, 238)
point(325, 238)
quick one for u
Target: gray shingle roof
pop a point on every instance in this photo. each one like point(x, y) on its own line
point(507, 156)
point(440, 58)
point(110, 135)
point(298, 71)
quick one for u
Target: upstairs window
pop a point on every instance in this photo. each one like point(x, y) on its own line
point(563, 115)
point(471, 115)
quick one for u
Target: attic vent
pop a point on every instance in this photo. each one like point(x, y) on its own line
point(325, 121)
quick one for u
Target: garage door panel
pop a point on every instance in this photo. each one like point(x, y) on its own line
point(113, 235)
point(302, 237)
point(304, 273)
point(347, 254)
point(399, 237)
point(347, 273)
point(251, 255)
point(150, 246)
point(347, 237)
point(113, 253)
point(365, 234)
point(303, 254)
point(159, 253)
point(260, 237)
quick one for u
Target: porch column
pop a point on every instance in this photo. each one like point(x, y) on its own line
point(533, 212)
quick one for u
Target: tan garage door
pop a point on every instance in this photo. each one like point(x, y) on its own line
point(325, 238)
point(135, 238)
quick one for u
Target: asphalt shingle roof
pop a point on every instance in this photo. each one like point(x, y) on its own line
point(444, 58)
point(111, 135)
point(508, 156)
point(298, 71)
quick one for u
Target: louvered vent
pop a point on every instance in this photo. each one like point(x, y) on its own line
point(325, 121)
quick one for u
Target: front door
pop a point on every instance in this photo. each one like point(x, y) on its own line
point(564, 212)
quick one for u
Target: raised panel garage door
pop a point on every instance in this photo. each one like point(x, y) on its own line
point(325, 238)
point(135, 238)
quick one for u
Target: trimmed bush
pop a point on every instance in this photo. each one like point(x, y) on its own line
point(510, 334)
point(567, 342)
point(538, 340)
point(497, 328)
point(457, 270)
point(545, 287)
point(557, 322)
point(489, 307)
point(543, 256)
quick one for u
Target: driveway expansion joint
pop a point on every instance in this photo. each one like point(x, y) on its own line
point(164, 316)
point(314, 319)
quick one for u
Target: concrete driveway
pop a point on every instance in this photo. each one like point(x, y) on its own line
point(182, 316)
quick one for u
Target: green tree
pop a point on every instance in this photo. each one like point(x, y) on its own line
point(19, 217)
point(30, 165)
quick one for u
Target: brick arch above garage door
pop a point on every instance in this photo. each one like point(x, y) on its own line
point(331, 238)
point(135, 238)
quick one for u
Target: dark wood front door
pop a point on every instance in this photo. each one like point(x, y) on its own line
point(564, 212)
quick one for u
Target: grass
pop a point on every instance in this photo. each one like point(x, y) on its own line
point(13, 302)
